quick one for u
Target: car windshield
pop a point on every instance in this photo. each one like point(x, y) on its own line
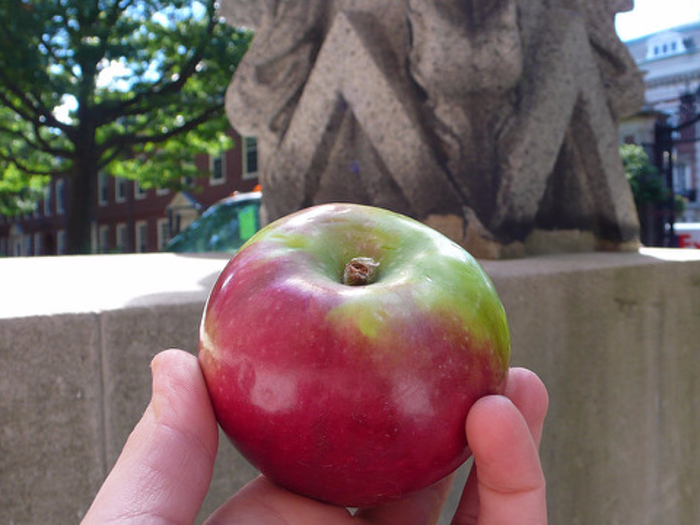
point(224, 227)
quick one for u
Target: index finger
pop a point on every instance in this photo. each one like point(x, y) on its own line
point(507, 484)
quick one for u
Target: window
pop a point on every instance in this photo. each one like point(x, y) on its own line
point(120, 187)
point(60, 197)
point(104, 239)
point(102, 188)
point(187, 182)
point(682, 179)
point(250, 157)
point(141, 236)
point(61, 242)
point(38, 248)
point(664, 44)
point(163, 233)
point(27, 249)
point(162, 191)
point(217, 167)
point(16, 246)
point(139, 192)
point(122, 241)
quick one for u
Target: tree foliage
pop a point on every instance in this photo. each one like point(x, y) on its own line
point(133, 87)
point(647, 185)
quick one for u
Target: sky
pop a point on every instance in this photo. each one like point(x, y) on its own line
point(650, 16)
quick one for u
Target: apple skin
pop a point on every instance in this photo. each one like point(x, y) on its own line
point(353, 395)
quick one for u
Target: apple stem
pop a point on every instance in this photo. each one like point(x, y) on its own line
point(360, 271)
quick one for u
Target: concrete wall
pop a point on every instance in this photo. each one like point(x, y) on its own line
point(614, 336)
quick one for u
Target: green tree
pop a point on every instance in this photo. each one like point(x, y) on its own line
point(647, 184)
point(132, 87)
point(645, 181)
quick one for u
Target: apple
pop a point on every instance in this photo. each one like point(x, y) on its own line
point(342, 348)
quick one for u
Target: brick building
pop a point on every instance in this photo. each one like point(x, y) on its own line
point(127, 218)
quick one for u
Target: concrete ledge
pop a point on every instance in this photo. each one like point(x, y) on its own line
point(614, 336)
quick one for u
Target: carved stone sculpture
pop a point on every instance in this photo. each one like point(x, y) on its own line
point(493, 121)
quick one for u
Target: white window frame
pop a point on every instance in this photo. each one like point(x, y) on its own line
point(120, 189)
point(248, 143)
point(139, 192)
point(221, 179)
point(163, 233)
point(103, 238)
point(121, 236)
point(141, 237)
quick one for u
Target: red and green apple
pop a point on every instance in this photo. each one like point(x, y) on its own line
point(342, 348)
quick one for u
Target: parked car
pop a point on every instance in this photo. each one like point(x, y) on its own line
point(223, 227)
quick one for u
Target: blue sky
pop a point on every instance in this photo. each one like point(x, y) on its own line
point(650, 16)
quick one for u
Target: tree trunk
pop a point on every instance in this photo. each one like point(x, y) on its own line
point(80, 200)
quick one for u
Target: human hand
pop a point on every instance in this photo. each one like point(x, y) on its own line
point(166, 466)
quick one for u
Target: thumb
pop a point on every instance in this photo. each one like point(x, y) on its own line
point(511, 484)
point(164, 471)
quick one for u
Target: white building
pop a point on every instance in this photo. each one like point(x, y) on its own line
point(670, 62)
